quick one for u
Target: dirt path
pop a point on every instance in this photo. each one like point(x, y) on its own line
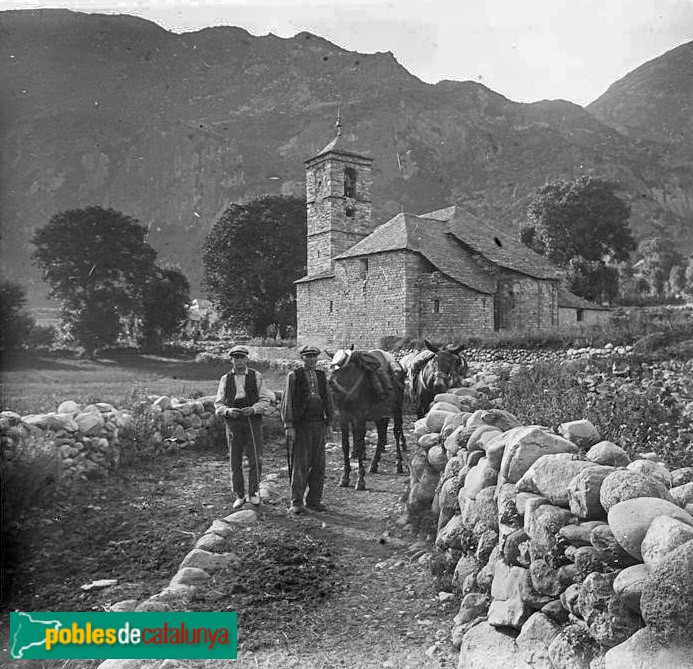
point(374, 604)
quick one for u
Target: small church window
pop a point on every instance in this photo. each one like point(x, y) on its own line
point(364, 264)
point(330, 306)
point(436, 306)
point(350, 211)
point(579, 315)
point(349, 182)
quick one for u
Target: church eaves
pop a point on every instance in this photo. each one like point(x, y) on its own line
point(495, 245)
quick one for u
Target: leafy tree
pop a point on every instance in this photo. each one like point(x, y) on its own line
point(15, 323)
point(97, 263)
point(164, 303)
point(657, 257)
point(585, 218)
point(593, 279)
point(677, 280)
point(95, 326)
point(631, 285)
point(689, 275)
point(252, 256)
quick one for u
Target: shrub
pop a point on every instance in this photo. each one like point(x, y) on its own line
point(683, 350)
point(41, 338)
point(29, 472)
point(29, 469)
point(213, 438)
point(639, 418)
point(15, 322)
point(142, 435)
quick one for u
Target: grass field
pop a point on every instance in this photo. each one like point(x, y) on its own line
point(40, 383)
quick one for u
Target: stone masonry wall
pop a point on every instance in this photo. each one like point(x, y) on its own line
point(336, 222)
point(88, 440)
point(567, 318)
point(316, 302)
point(527, 303)
point(566, 553)
point(399, 293)
point(370, 303)
point(460, 310)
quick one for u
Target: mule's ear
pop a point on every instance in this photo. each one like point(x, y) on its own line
point(458, 349)
point(430, 346)
point(329, 354)
point(351, 348)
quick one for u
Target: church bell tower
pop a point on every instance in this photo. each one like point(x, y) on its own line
point(338, 198)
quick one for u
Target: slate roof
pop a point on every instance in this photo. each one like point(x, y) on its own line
point(429, 238)
point(325, 274)
point(495, 245)
point(344, 146)
point(568, 300)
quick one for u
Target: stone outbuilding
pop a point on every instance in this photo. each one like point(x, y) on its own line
point(439, 275)
point(576, 312)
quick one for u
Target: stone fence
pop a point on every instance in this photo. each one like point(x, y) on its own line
point(530, 356)
point(565, 553)
point(89, 440)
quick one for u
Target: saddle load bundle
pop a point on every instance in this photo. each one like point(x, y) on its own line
point(377, 373)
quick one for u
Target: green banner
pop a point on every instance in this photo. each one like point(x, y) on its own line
point(134, 635)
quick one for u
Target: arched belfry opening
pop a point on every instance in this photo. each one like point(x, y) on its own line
point(349, 182)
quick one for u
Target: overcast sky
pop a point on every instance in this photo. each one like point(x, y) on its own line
point(525, 49)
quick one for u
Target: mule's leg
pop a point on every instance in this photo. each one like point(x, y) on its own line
point(381, 425)
point(421, 406)
point(344, 427)
point(400, 443)
point(359, 435)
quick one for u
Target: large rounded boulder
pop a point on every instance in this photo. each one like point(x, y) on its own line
point(630, 520)
point(624, 484)
point(667, 599)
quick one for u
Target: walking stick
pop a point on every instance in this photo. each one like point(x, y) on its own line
point(257, 462)
point(289, 455)
point(229, 441)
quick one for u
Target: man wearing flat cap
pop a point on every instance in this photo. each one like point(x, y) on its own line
point(242, 399)
point(307, 412)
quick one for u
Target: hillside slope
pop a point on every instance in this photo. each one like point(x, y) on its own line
point(116, 111)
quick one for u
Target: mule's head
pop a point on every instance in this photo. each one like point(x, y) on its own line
point(446, 367)
point(348, 385)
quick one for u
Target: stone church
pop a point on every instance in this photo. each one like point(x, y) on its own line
point(438, 275)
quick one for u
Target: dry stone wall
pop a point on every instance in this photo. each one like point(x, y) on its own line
point(565, 553)
point(89, 440)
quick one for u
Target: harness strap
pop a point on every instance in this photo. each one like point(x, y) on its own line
point(348, 394)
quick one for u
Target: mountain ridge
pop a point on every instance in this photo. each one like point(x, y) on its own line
point(172, 128)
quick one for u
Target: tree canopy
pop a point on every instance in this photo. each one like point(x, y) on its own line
point(100, 266)
point(582, 218)
point(593, 279)
point(252, 256)
point(94, 253)
point(164, 302)
point(15, 322)
point(657, 257)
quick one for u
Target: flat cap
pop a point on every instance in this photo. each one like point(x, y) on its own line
point(308, 349)
point(238, 350)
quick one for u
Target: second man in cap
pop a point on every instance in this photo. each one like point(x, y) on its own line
point(307, 411)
